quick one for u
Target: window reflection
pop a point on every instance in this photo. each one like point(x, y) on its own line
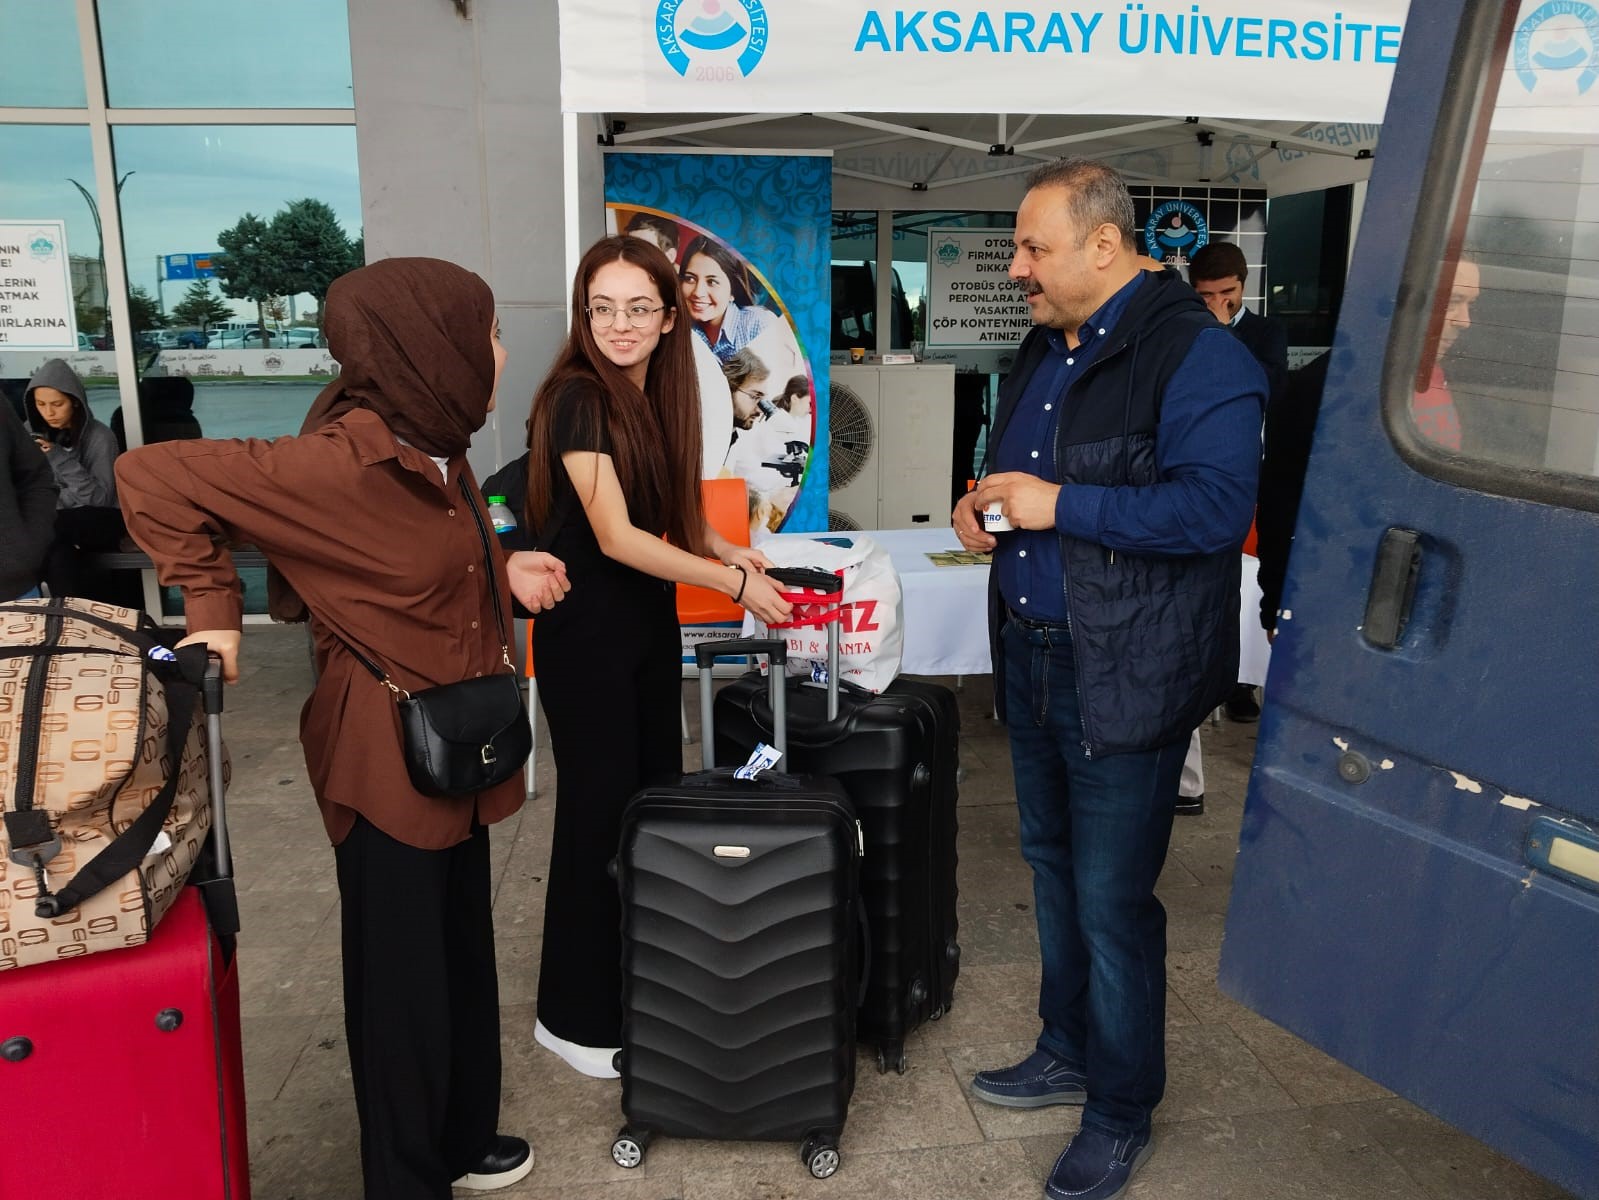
point(226, 53)
point(1512, 343)
point(232, 236)
point(58, 155)
point(43, 63)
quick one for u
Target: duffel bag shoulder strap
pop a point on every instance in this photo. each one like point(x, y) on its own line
point(180, 683)
point(143, 634)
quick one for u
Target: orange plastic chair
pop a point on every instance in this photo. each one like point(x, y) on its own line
point(727, 511)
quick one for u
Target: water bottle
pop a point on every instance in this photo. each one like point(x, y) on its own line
point(500, 514)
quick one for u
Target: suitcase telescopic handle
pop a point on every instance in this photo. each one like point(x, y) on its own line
point(814, 578)
point(211, 693)
point(776, 652)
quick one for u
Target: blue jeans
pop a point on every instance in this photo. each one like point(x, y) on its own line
point(1094, 831)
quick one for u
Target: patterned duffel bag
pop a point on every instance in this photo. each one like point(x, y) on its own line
point(103, 778)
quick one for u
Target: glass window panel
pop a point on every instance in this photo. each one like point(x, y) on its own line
point(226, 54)
point(223, 357)
point(58, 156)
point(854, 280)
point(1510, 361)
point(43, 66)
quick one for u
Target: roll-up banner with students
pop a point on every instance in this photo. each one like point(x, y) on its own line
point(750, 237)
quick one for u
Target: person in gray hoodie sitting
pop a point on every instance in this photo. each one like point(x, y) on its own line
point(79, 448)
point(81, 451)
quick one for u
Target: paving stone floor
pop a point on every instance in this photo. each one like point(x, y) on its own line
point(1251, 1112)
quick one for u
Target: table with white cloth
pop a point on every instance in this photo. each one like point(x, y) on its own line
point(946, 608)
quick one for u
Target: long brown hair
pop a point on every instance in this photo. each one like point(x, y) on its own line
point(655, 434)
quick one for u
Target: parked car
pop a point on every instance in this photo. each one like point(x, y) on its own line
point(296, 338)
point(84, 343)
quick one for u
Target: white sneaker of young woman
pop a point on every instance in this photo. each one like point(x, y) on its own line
point(598, 1061)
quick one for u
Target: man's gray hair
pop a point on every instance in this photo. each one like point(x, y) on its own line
point(1096, 195)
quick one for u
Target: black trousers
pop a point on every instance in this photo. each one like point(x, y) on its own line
point(421, 1009)
point(610, 678)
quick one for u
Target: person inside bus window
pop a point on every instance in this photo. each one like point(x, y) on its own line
point(1433, 408)
point(719, 299)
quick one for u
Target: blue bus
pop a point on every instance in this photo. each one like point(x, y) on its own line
point(1417, 886)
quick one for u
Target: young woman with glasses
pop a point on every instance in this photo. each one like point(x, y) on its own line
point(614, 492)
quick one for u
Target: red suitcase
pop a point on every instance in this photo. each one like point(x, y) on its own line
point(123, 1071)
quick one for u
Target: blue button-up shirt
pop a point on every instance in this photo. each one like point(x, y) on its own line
point(740, 325)
point(1031, 574)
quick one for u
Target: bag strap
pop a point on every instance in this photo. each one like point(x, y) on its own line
point(494, 597)
point(129, 848)
point(142, 634)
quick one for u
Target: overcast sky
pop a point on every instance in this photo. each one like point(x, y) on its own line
point(189, 181)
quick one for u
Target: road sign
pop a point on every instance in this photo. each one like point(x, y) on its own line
point(187, 266)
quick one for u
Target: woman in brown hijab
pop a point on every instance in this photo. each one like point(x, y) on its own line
point(366, 517)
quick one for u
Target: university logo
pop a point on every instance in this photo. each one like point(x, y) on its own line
point(726, 36)
point(1559, 40)
point(948, 252)
point(1174, 231)
point(1242, 161)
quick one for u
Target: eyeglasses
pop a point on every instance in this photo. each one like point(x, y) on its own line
point(637, 314)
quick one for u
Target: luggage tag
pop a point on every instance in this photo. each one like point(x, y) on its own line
point(763, 758)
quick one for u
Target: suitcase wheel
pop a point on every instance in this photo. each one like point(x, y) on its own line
point(628, 1148)
point(821, 1157)
point(896, 1059)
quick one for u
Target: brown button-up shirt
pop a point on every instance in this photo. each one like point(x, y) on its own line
point(386, 556)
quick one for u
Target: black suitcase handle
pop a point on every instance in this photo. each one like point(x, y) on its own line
point(813, 578)
point(776, 652)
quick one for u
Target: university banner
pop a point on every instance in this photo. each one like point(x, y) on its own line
point(1283, 60)
point(750, 237)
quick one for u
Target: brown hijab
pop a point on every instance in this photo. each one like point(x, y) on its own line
point(411, 337)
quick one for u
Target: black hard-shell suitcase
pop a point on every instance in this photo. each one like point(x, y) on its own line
point(740, 949)
point(897, 756)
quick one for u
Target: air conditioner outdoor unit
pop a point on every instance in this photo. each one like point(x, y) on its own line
point(889, 435)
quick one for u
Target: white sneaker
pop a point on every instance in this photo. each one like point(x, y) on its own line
point(596, 1061)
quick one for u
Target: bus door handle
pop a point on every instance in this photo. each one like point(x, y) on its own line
point(1393, 587)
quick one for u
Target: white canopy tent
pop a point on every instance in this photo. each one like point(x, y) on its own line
point(1296, 89)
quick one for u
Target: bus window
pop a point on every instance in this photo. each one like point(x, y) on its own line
point(1504, 394)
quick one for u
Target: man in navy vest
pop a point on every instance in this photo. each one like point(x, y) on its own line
point(1124, 451)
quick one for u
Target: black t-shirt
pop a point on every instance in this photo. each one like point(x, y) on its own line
point(579, 423)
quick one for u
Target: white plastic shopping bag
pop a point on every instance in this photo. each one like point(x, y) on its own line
point(871, 623)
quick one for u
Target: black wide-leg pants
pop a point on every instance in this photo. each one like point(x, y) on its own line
point(610, 679)
point(421, 1009)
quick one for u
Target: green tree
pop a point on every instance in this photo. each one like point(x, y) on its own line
point(199, 307)
point(143, 311)
point(248, 267)
point(91, 318)
point(310, 249)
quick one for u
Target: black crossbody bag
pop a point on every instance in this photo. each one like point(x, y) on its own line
point(463, 737)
